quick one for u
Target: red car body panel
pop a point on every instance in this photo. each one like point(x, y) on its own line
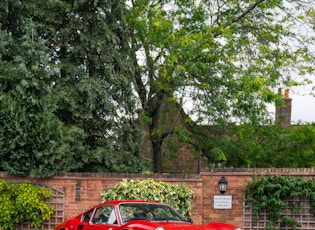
point(117, 218)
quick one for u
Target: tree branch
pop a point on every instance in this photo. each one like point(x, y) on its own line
point(240, 17)
point(247, 11)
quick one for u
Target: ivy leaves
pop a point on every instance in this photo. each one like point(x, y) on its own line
point(272, 194)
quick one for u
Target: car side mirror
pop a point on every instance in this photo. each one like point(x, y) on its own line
point(189, 220)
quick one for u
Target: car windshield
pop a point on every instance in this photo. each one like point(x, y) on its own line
point(150, 212)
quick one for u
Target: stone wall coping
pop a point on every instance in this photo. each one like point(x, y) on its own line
point(185, 177)
point(73, 175)
point(258, 171)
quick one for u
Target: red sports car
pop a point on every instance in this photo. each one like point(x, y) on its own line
point(136, 215)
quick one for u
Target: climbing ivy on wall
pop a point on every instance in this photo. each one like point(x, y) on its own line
point(272, 193)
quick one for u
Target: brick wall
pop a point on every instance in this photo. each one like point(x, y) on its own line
point(82, 190)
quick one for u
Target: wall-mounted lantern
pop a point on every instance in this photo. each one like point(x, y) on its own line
point(223, 185)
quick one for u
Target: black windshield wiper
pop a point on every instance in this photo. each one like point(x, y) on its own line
point(169, 219)
point(162, 219)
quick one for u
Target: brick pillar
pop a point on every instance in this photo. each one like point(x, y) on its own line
point(283, 112)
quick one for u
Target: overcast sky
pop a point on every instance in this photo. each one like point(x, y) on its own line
point(303, 108)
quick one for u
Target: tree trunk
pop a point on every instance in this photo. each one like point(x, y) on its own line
point(157, 155)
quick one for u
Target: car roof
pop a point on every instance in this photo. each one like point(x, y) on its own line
point(117, 202)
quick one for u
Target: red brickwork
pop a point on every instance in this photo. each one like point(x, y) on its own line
point(82, 190)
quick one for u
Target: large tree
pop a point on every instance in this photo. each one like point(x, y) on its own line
point(220, 61)
point(33, 141)
point(94, 78)
point(65, 92)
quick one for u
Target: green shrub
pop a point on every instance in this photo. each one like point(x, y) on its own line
point(23, 202)
point(179, 196)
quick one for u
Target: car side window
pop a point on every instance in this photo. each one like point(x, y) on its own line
point(87, 216)
point(105, 215)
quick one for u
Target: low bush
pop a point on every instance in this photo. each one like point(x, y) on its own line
point(23, 202)
point(178, 196)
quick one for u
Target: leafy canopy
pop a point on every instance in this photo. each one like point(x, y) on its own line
point(219, 61)
point(66, 103)
point(249, 146)
point(76, 76)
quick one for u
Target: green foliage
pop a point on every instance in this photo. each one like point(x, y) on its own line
point(33, 141)
point(254, 146)
point(23, 202)
point(179, 196)
point(225, 58)
point(66, 98)
point(124, 162)
point(73, 85)
point(271, 194)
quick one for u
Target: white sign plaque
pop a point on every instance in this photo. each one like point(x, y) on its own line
point(222, 202)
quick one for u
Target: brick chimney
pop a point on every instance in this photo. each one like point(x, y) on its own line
point(283, 113)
